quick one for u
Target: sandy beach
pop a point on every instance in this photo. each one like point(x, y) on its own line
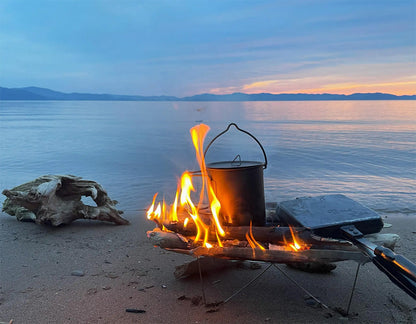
point(91, 272)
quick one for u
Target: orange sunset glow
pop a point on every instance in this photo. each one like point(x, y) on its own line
point(394, 78)
point(311, 86)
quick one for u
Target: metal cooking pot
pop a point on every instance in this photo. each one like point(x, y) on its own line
point(239, 187)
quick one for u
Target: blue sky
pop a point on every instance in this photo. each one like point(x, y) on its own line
point(175, 47)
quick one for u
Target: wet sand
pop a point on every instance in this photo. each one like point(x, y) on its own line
point(91, 272)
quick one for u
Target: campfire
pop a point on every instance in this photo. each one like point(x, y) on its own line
point(199, 216)
point(228, 218)
point(215, 221)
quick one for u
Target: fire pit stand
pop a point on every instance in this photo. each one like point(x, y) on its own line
point(286, 275)
point(319, 302)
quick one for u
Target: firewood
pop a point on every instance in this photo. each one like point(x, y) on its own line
point(56, 200)
point(275, 235)
point(280, 256)
point(206, 264)
point(261, 233)
point(265, 234)
point(275, 253)
point(167, 239)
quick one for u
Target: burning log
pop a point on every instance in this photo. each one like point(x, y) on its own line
point(280, 255)
point(332, 251)
point(277, 235)
point(56, 200)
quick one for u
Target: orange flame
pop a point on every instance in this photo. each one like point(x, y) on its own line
point(183, 199)
point(183, 202)
point(151, 210)
point(252, 241)
point(297, 244)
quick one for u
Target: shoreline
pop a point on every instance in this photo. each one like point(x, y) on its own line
point(91, 272)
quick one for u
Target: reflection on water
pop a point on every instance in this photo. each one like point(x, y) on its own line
point(331, 111)
point(364, 149)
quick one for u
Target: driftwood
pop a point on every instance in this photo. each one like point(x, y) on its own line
point(167, 240)
point(278, 235)
point(332, 251)
point(261, 233)
point(205, 265)
point(56, 200)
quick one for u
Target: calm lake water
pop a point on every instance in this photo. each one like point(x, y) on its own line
point(363, 149)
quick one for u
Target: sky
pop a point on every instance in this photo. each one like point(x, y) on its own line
point(188, 47)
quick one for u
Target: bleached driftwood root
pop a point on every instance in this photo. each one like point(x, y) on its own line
point(56, 200)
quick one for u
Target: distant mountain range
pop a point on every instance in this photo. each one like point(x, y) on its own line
point(35, 93)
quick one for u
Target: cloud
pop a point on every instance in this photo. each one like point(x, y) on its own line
point(180, 48)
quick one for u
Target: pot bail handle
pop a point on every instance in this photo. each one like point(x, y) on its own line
point(241, 130)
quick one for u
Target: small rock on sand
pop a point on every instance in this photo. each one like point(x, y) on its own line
point(78, 273)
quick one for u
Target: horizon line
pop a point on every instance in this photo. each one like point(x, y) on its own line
point(214, 94)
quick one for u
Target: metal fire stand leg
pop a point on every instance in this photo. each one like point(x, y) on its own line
point(297, 284)
point(286, 275)
point(353, 288)
point(247, 284)
point(202, 282)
